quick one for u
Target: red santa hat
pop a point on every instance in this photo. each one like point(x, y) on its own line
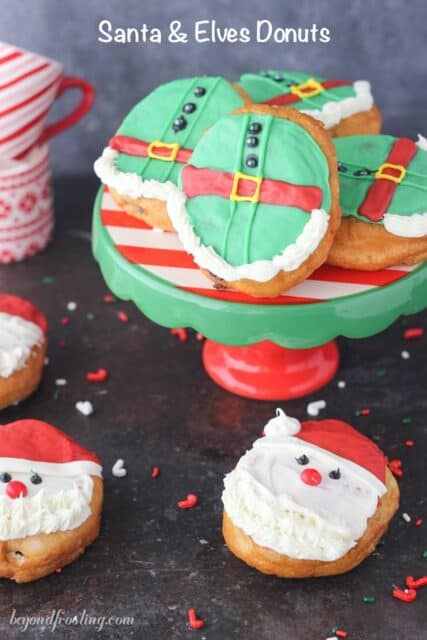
point(336, 437)
point(15, 306)
point(32, 445)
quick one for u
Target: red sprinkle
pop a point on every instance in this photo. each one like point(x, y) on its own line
point(365, 412)
point(418, 522)
point(155, 472)
point(181, 334)
point(58, 570)
point(97, 376)
point(194, 621)
point(411, 583)
point(395, 467)
point(62, 344)
point(65, 320)
point(409, 443)
point(108, 298)
point(122, 316)
point(414, 333)
point(340, 633)
point(190, 501)
point(407, 595)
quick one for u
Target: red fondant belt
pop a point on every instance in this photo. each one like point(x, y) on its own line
point(156, 150)
point(305, 90)
point(387, 177)
point(246, 188)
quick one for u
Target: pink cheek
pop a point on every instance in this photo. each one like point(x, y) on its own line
point(311, 477)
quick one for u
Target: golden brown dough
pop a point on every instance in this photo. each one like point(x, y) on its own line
point(362, 123)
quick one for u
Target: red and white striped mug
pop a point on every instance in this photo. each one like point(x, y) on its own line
point(29, 85)
point(26, 208)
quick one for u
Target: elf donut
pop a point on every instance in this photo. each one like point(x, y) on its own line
point(51, 495)
point(259, 208)
point(344, 108)
point(383, 196)
point(310, 499)
point(141, 164)
point(23, 342)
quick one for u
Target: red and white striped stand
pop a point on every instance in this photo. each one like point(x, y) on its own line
point(264, 370)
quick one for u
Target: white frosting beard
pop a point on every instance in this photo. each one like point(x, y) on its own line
point(266, 498)
point(130, 184)
point(57, 504)
point(332, 112)
point(260, 270)
point(17, 338)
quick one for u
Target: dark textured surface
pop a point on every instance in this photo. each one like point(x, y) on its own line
point(383, 42)
point(159, 408)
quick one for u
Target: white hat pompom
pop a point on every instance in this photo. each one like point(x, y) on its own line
point(282, 425)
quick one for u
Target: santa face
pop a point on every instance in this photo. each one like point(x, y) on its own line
point(36, 501)
point(300, 500)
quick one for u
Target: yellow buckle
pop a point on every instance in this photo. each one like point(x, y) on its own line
point(388, 176)
point(307, 89)
point(234, 195)
point(158, 144)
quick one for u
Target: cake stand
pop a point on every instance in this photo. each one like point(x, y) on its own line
point(268, 349)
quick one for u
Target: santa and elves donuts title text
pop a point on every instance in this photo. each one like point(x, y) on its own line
point(211, 32)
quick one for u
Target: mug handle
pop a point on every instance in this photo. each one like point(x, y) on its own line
point(86, 102)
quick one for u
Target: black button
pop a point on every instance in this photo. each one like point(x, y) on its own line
point(252, 161)
point(278, 78)
point(189, 107)
point(5, 477)
point(341, 167)
point(179, 124)
point(362, 172)
point(252, 141)
point(255, 127)
point(199, 92)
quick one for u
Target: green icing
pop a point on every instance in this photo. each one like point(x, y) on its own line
point(261, 88)
point(369, 152)
point(243, 232)
point(152, 119)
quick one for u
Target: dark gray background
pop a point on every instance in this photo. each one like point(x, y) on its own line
point(383, 41)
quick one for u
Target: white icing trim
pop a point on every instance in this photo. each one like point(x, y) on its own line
point(333, 112)
point(422, 142)
point(130, 184)
point(75, 468)
point(413, 226)
point(260, 270)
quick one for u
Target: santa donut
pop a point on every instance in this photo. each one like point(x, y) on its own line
point(23, 342)
point(309, 499)
point(51, 493)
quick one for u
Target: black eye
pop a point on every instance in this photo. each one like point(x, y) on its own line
point(5, 477)
point(335, 474)
point(302, 459)
point(36, 479)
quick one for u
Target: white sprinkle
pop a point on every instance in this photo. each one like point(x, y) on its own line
point(72, 306)
point(406, 517)
point(203, 541)
point(46, 361)
point(60, 382)
point(342, 384)
point(85, 407)
point(119, 470)
point(313, 408)
point(405, 354)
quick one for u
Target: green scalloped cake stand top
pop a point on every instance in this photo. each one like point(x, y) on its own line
point(244, 351)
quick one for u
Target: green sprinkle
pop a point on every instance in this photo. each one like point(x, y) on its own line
point(48, 280)
point(90, 316)
point(334, 629)
point(56, 395)
point(406, 420)
point(357, 412)
point(381, 373)
point(368, 599)
point(425, 554)
point(381, 542)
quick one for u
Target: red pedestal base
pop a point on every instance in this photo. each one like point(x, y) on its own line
point(266, 371)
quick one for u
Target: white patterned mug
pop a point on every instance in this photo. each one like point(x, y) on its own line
point(26, 206)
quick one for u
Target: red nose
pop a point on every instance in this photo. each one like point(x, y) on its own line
point(16, 489)
point(311, 477)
